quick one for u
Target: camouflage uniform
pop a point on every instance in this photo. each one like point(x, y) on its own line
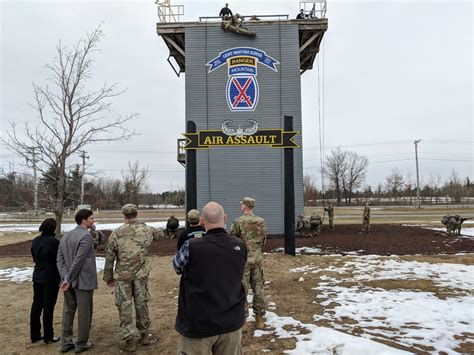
point(330, 210)
point(366, 219)
point(453, 224)
point(300, 226)
point(172, 226)
point(315, 223)
point(303, 226)
point(97, 238)
point(252, 229)
point(128, 248)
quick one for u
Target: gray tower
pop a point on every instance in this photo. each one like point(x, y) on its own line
point(238, 91)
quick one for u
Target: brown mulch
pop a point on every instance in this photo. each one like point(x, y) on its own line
point(384, 239)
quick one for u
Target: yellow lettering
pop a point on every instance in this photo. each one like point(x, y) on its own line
point(251, 140)
point(242, 60)
point(207, 141)
point(273, 138)
point(219, 140)
point(230, 140)
point(259, 139)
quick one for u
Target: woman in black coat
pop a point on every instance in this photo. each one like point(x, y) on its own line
point(45, 282)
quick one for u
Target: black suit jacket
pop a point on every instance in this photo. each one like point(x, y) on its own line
point(44, 250)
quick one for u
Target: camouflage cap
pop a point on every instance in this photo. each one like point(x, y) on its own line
point(248, 201)
point(129, 208)
point(193, 216)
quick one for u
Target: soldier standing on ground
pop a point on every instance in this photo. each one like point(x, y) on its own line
point(253, 230)
point(172, 226)
point(315, 223)
point(330, 210)
point(366, 219)
point(195, 230)
point(128, 248)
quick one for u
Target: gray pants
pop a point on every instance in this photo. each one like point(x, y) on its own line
point(82, 301)
point(223, 344)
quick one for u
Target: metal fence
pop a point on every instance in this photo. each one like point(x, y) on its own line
point(168, 13)
point(314, 9)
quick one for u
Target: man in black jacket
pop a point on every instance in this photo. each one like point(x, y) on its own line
point(225, 11)
point(211, 294)
point(195, 230)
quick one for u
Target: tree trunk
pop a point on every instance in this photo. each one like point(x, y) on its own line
point(59, 210)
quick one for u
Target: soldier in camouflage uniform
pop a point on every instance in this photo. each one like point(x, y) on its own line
point(97, 238)
point(128, 248)
point(300, 226)
point(330, 210)
point(453, 224)
point(303, 226)
point(253, 230)
point(366, 219)
point(315, 223)
point(172, 226)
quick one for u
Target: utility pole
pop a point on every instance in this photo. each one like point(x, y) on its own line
point(417, 174)
point(84, 157)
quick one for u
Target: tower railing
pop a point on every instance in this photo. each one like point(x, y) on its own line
point(314, 9)
point(260, 17)
point(168, 13)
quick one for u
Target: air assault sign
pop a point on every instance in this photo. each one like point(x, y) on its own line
point(250, 136)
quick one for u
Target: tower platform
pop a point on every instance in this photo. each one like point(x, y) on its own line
point(311, 32)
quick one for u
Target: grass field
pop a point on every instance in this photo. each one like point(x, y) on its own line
point(313, 290)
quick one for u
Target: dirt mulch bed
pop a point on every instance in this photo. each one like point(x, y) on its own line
point(384, 239)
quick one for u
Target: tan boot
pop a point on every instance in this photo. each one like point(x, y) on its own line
point(259, 322)
point(145, 339)
point(129, 345)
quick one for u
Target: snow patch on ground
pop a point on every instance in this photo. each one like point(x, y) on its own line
point(320, 340)
point(408, 317)
point(25, 274)
point(68, 226)
point(302, 250)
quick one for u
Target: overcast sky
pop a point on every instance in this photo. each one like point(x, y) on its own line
point(394, 71)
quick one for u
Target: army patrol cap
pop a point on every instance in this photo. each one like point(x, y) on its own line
point(129, 208)
point(248, 201)
point(193, 216)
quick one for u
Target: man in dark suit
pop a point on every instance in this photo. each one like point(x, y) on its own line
point(76, 265)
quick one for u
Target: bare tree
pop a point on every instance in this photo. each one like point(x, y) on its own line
point(134, 180)
point(435, 182)
point(70, 116)
point(394, 183)
point(335, 169)
point(310, 192)
point(354, 174)
point(408, 187)
point(454, 186)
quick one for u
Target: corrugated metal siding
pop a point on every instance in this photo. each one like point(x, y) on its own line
point(228, 174)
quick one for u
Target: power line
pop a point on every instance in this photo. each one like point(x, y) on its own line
point(447, 141)
point(459, 160)
point(151, 171)
point(134, 151)
point(361, 144)
point(320, 130)
point(389, 161)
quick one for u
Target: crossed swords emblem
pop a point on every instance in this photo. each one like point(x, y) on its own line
point(242, 96)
